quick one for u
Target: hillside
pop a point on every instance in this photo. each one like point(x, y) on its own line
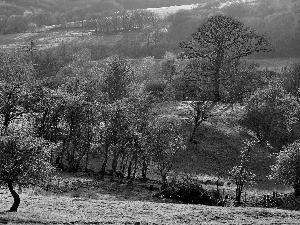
point(218, 143)
point(66, 5)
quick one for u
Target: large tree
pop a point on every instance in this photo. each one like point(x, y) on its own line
point(220, 41)
point(24, 160)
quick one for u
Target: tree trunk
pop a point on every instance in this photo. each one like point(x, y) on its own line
point(144, 170)
point(135, 167)
point(123, 163)
point(104, 165)
point(87, 160)
point(238, 195)
point(216, 91)
point(114, 165)
point(192, 137)
point(129, 169)
point(164, 181)
point(106, 147)
point(15, 195)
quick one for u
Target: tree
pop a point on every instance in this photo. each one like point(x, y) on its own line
point(198, 111)
point(270, 114)
point(24, 160)
point(291, 80)
point(287, 167)
point(222, 40)
point(242, 81)
point(167, 144)
point(75, 103)
point(241, 173)
point(16, 72)
point(15, 24)
point(116, 78)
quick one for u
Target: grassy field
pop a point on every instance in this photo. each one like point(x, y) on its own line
point(122, 204)
point(54, 38)
point(275, 64)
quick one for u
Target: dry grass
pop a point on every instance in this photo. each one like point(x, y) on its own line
point(51, 209)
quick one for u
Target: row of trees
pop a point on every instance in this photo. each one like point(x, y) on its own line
point(103, 22)
point(121, 21)
point(86, 109)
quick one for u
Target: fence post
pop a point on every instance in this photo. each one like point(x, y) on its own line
point(268, 200)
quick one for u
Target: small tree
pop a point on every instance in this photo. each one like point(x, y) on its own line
point(198, 113)
point(287, 167)
point(222, 40)
point(167, 144)
point(24, 160)
point(241, 173)
point(15, 82)
point(116, 78)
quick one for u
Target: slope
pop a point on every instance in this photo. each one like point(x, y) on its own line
point(218, 144)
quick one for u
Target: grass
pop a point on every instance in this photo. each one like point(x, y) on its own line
point(109, 209)
point(275, 64)
point(53, 38)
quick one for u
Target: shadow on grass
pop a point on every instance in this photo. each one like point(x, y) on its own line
point(23, 221)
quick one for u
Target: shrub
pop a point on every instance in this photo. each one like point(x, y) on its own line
point(155, 88)
point(187, 190)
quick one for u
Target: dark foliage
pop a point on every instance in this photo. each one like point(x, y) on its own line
point(155, 88)
point(187, 190)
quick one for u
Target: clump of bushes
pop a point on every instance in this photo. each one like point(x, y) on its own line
point(155, 88)
point(187, 190)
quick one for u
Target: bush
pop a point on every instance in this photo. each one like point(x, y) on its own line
point(270, 114)
point(155, 88)
point(187, 190)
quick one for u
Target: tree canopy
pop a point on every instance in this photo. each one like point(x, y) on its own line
point(222, 40)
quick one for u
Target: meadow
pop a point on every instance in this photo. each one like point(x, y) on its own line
point(115, 203)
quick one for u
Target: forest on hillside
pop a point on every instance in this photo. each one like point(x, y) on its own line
point(95, 108)
point(18, 15)
point(61, 111)
point(279, 20)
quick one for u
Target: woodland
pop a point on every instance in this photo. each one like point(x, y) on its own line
point(139, 112)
